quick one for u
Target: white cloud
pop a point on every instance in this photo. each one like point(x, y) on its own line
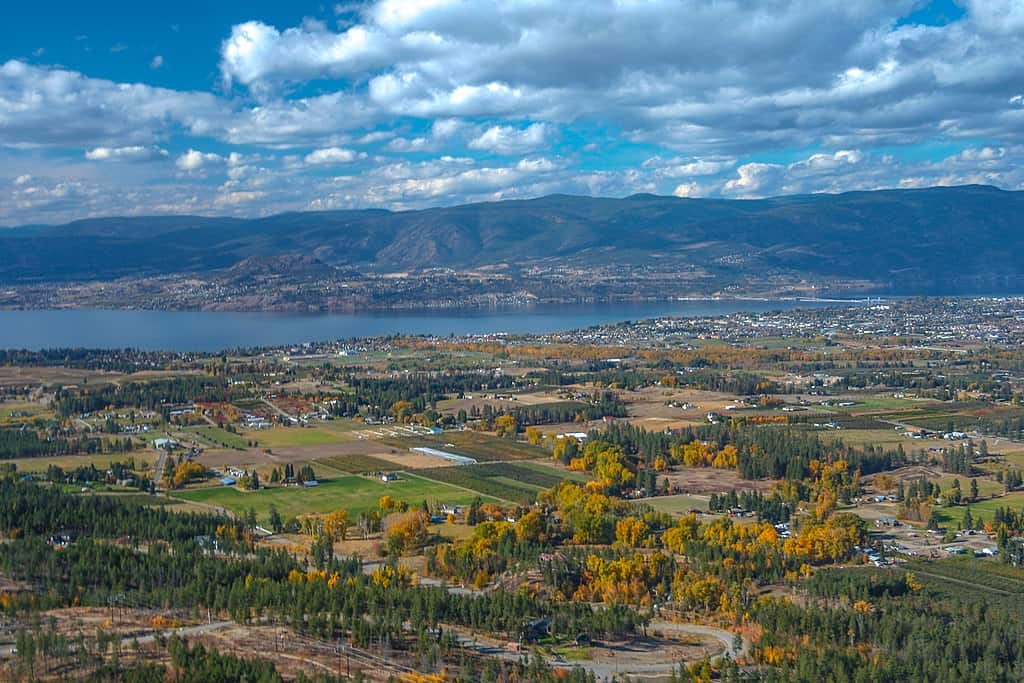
point(687, 190)
point(331, 156)
point(709, 91)
point(131, 153)
point(238, 197)
point(677, 167)
point(411, 145)
point(156, 62)
point(752, 179)
point(49, 107)
point(509, 140)
point(194, 160)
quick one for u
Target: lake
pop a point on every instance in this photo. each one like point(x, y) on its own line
point(214, 331)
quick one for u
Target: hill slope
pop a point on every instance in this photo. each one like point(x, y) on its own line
point(949, 240)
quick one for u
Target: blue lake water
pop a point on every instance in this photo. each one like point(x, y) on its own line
point(214, 331)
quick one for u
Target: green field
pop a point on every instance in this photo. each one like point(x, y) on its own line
point(293, 436)
point(886, 402)
point(562, 474)
point(355, 494)
point(32, 411)
point(679, 505)
point(505, 480)
point(983, 509)
point(986, 487)
point(143, 460)
point(482, 447)
point(358, 464)
point(963, 576)
point(215, 436)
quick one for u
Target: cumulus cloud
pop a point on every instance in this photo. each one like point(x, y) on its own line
point(752, 179)
point(194, 160)
point(331, 156)
point(687, 190)
point(715, 96)
point(131, 153)
point(50, 107)
point(510, 140)
point(678, 167)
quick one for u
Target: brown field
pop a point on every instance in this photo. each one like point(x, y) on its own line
point(34, 376)
point(149, 375)
point(711, 480)
point(410, 459)
point(647, 407)
point(293, 454)
point(70, 462)
point(454, 405)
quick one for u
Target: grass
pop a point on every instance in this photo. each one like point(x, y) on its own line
point(571, 653)
point(986, 487)
point(143, 460)
point(219, 437)
point(357, 464)
point(965, 576)
point(292, 436)
point(482, 447)
point(493, 480)
point(33, 410)
point(355, 494)
point(888, 438)
point(883, 402)
point(681, 504)
point(983, 509)
point(561, 473)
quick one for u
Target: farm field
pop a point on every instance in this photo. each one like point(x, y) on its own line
point(23, 411)
point(885, 438)
point(518, 400)
point(960, 575)
point(357, 464)
point(983, 509)
point(20, 375)
point(292, 436)
point(287, 454)
point(482, 447)
point(884, 402)
point(709, 480)
point(550, 466)
point(352, 493)
point(676, 505)
point(143, 459)
point(508, 481)
point(216, 436)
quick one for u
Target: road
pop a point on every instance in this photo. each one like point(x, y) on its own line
point(185, 631)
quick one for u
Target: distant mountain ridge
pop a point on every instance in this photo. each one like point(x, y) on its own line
point(937, 240)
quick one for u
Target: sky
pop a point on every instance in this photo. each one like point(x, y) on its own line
point(259, 107)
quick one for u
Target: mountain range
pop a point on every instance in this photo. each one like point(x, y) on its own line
point(947, 240)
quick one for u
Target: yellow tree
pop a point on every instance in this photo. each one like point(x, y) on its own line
point(534, 435)
point(402, 410)
point(506, 426)
point(335, 524)
point(631, 531)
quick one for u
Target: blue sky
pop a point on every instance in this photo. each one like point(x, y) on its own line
point(259, 107)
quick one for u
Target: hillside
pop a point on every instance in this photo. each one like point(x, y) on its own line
point(948, 240)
